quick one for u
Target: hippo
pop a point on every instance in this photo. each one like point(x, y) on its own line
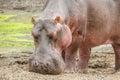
point(67, 26)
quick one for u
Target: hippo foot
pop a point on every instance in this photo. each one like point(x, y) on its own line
point(83, 71)
point(69, 70)
point(116, 71)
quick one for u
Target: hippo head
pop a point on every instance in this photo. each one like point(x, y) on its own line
point(51, 37)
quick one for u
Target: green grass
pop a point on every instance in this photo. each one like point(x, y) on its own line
point(14, 34)
point(4, 17)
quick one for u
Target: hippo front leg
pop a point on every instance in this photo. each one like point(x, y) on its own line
point(84, 55)
point(116, 48)
point(70, 61)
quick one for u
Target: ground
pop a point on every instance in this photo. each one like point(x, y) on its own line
point(14, 66)
point(14, 55)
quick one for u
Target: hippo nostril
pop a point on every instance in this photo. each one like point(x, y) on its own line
point(47, 64)
point(36, 64)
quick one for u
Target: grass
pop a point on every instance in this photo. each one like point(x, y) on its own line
point(14, 34)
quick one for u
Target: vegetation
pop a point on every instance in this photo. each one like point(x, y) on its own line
point(13, 33)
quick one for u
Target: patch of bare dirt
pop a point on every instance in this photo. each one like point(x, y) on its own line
point(14, 66)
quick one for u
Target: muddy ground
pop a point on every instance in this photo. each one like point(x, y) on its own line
point(14, 66)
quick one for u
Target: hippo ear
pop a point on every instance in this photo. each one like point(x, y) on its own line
point(58, 19)
point(33, 20)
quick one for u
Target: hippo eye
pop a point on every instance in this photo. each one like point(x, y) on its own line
point(35, 38)
point(51, 38)
point(53, 35)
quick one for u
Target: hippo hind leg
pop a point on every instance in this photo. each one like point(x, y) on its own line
point(116, 47)
point(84, 56)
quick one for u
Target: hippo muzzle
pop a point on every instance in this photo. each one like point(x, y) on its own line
point(46, 64)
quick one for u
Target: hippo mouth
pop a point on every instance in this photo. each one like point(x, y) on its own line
point(53, 66)
point(46, 70)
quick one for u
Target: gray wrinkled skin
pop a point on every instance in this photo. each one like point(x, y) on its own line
point(45, 58)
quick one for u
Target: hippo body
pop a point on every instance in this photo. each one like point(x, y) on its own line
point(65, 26)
